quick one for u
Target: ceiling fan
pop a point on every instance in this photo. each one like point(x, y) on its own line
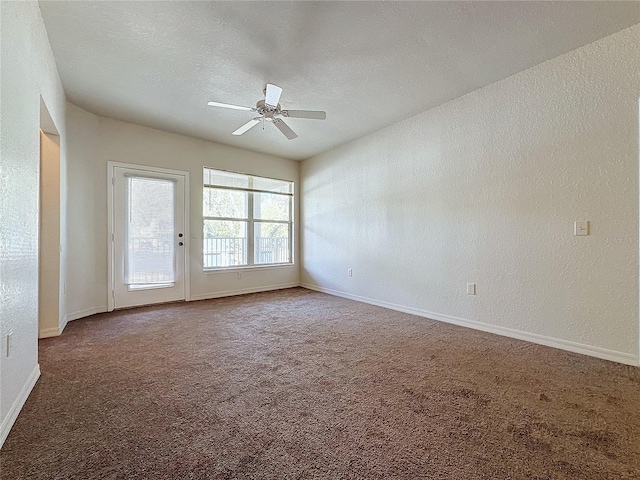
point(269, 110)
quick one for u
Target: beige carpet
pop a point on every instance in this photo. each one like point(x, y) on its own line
point(296, 384)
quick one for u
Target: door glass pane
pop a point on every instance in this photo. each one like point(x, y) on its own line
point(272, 243)
point(150, 231)
point(225, 243)
point(267, 206)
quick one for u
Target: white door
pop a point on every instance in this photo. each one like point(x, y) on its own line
point(148, 235)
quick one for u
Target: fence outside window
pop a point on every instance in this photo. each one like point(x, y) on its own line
point(231, 251)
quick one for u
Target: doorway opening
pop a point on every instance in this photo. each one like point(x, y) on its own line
point(50, 295)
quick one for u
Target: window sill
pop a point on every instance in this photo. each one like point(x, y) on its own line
point(248, 268)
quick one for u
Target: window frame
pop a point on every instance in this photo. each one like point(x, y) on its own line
point(250, 220)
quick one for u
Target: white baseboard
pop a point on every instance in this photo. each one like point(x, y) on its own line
point(242, 291)
point(598, 352)
point(12, 415)
point(55, 332)
point(49, 332)
point(63, 324)
point(84, 313)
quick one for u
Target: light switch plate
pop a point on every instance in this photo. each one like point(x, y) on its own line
point(581, 228)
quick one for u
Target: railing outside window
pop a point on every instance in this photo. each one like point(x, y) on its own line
point(224, 251)
point(272, 249)
point(231, 251)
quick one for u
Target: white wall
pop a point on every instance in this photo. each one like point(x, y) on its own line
point(485, 189)
point(92, 142)
point(86, 259)
point(28, 72)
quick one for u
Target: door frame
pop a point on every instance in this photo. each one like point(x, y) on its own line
point(111, 270)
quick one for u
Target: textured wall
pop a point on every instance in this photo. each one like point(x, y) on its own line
point(83, 266)
point(92, 142)
point(485, 189)
point(28, 72)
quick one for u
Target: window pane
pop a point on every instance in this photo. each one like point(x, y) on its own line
point(225, 243)
point(272, 243)
point(225, 179)
point(271, 207)
point(272, 185)
point(150, 231)
point(230, 212)
point(224, 203)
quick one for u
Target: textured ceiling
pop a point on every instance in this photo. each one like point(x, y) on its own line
point(367, 64)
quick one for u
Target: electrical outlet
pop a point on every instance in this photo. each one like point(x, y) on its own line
point(9, 344)
point(350, 272)
point(581, 229)
point(239, 275)
point(471, 288)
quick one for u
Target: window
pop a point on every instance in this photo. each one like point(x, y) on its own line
point(248, 220)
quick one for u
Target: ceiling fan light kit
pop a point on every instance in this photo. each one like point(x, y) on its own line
point(269, 110)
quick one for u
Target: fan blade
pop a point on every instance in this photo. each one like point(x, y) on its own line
point(284, 128)
point(272, 95)
point(247, 126)
point(312, 114)
point(228, 105)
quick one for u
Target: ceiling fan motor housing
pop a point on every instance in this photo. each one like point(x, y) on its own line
point(266, 110)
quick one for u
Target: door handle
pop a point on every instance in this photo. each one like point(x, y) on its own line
point(180, 243)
